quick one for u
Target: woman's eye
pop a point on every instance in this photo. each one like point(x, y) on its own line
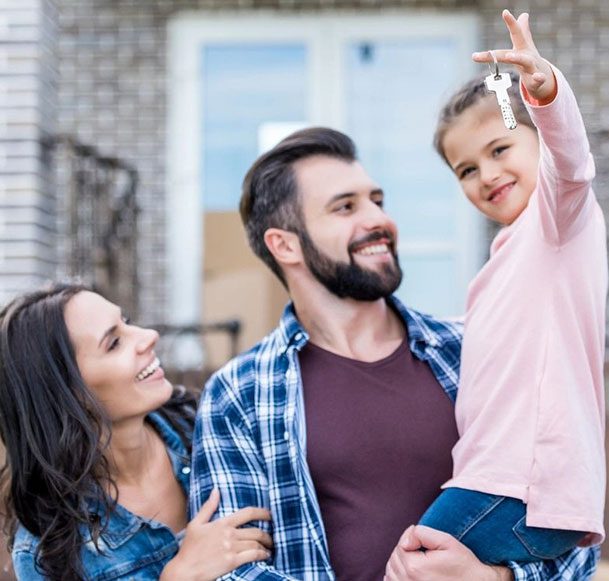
point(499, 150)
point(114, 343)
point(126, 320)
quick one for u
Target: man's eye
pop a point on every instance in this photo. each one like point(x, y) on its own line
point(346, 207)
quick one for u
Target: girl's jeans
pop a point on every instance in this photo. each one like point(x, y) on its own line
point(494, 528)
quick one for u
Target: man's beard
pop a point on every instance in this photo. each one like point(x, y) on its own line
point(348, 279)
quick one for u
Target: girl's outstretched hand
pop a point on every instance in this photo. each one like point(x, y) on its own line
point(535, 72)
point(212, 549)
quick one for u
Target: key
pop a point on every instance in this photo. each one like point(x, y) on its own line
point(499, 83)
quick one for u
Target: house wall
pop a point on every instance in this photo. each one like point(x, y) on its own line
point(28, 83)
point(113, 84)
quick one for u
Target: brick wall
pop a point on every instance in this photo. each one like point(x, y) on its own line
point(28, 71)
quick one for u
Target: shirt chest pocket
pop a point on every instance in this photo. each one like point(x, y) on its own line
point(139, 554)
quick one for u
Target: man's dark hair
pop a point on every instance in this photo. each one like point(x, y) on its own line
point(269, 196)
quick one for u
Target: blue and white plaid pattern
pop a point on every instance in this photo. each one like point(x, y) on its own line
point(250, 442)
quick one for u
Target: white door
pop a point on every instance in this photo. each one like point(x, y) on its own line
point(238, 84)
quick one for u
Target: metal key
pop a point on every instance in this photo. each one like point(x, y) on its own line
point(499, 84)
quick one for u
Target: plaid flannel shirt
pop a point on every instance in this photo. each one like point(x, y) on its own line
point(250, 442)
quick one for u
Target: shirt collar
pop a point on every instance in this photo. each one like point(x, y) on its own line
point(421, 332)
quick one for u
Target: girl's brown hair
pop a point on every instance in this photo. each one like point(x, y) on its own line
point(470, 94)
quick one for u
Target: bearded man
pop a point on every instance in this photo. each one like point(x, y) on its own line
point(341, 420)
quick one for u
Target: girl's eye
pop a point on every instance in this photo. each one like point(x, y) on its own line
point(114, 343)
point(499, 150)
point(464, 173)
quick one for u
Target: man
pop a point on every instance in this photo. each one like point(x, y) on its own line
point(340, 421)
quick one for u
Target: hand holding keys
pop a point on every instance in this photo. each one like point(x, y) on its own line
point(536, 73)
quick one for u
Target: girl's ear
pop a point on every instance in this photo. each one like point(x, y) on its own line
point(283, 245)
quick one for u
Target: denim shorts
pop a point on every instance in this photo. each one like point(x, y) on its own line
point(494, 528)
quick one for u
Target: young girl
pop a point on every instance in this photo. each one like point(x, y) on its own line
point(529, 479)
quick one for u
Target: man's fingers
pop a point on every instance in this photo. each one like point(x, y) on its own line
point(209, 507)
point(409, 542)
point(394, 569)
point(248, 514)
point(432, 539)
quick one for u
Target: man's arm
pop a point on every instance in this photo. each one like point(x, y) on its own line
point(576, 565)
point(447, 559)
point(226, 456)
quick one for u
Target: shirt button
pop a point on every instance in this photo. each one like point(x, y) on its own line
point(286, 436)
point(186, 470)
point(298, 336)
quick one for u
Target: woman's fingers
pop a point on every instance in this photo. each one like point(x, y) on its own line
point(248, 514)
point(208, 508)
point(249, 556)
point(257, 535)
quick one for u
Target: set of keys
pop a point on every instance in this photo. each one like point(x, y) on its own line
point(499, 83)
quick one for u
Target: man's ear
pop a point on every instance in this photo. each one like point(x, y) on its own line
point(283, 245)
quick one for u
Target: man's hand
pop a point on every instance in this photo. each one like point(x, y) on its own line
point(443, 559)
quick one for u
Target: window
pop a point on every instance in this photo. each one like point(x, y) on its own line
point(238, 84)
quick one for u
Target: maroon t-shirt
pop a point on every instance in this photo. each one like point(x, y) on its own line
point(379, 441)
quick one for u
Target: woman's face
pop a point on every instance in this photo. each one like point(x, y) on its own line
point(116, 359)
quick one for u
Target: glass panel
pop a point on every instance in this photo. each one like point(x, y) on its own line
point(429, 285)
point(394, 92)
point(246, 87)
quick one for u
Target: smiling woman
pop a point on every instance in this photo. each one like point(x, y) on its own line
point(96, 477)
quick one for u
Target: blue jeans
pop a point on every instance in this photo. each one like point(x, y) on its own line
point(494, 528)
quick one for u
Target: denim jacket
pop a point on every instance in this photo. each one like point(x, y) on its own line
point(131, 547)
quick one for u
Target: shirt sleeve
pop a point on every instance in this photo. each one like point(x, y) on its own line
point(576, 565)
point(24, 565)
point(225, 456)
point(566, 166)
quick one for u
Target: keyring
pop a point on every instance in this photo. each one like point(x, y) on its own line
point(496, 71)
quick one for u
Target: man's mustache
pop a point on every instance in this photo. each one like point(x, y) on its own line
point(373, 237)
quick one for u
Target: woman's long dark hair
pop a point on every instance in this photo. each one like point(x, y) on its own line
point(55, 433)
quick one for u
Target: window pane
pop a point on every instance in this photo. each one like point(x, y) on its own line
point(245, 87)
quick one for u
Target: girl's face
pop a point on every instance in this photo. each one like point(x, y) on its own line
point(116, 359)
point(496, 167)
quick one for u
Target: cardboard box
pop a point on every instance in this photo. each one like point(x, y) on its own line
point(236, 285)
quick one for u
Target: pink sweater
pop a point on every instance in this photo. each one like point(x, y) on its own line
point(531, 409)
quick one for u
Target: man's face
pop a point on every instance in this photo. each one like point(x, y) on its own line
point(349, 242)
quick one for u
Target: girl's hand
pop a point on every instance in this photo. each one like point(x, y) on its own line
point(535, 72)
point(212, 549)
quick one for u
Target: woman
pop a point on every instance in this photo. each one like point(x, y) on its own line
point(95, 482)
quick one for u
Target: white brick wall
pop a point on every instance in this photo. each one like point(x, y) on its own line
point(28, 71)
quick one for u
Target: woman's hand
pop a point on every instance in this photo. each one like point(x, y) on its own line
point(212, 549)
point(535, 72)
